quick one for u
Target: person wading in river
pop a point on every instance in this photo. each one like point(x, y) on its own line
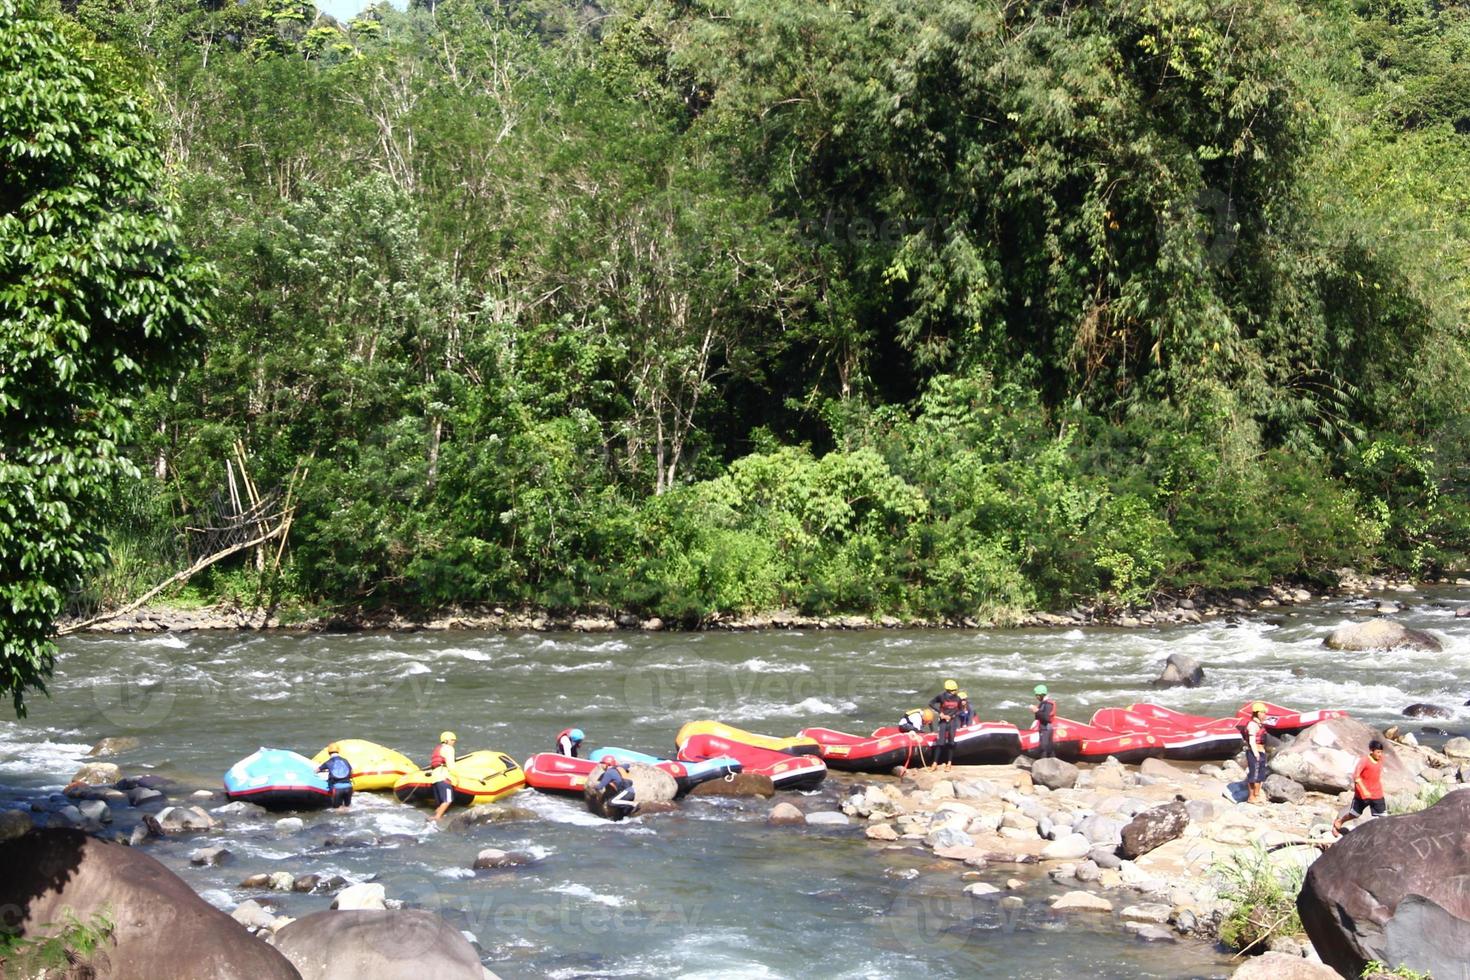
point(339, 777)
point(439, 763)
point(946, 706)
point(1367, 788)
point(1255, 754)
point(1046, 713)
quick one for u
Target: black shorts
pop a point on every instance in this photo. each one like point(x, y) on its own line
point(443, 792)
point(341, 794)
point(1359, 805)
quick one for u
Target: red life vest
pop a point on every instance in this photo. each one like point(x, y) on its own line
point(437, 759)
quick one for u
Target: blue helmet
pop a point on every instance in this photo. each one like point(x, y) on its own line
point(576, 735)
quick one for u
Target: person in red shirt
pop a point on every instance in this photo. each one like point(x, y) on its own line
point(1367, 788)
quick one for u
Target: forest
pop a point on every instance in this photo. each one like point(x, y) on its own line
point(914, 307)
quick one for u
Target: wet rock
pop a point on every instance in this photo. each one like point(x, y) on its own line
point(252, 915)
point(408, 944)
point(161, 928)
point(1355, 888)
point(290, 825)
point(113, 745)
point(981, 889)
point(97, 774)
point(1427, 711)
point(1381, 634)
point(827, 818)
point(1283, 966)
point(740, 784)
point(353, 838)
point(138, 834)
point(475, 816)
point(142, 795)
point(260, 879)
point(1279, 789)
point(1081, 902)
point(209, 856)
point(881, 831)
point(947, 836)
point(1152, 828)
point(314, 883)
point(652, 625)
point(1152, 912)
point(146, 781)
point(1181, 670)
point(1054, 773)
point(240, 807)
point(1323, 758)
point(1149, 933)
point(13, 823)
point(492, 857)
point(365, 895)
point(178, 820)
point(95, 811)
point(785, 815)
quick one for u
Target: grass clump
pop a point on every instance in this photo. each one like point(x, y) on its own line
point(1260, 898)
point(71, 950)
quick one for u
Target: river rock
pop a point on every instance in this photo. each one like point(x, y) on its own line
point(95, 811)
point(365, 895)
point(1081, 902)
point(1458, 748)
point(739, 784)
point(407, 944)
point(209, 856)
point(1152, 828)
point(1054, 773)
point(1427, 711)
point(14, 823)
point(785, 815)
point(1068, 848)
point(493, 857)
point(315, 883)
point(1181, 670)
point(981, 889)
point(1427, 938)
point(97, 774)
point(881, 831)
point(161, 929)
point(178, 820)
point(113, 745)
point(253, 916)
point(1102, 829)
point(1380, 634)
point(948, 836)
point(1279, 789)
point(1355, 888)
point(141, 795)
point(1324, 756)
point(1282, 966)
point(827, 818)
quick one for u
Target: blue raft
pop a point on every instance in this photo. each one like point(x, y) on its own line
point(278, 779)
point(687, 775)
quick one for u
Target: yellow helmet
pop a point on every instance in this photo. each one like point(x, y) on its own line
point(447, 737)
point(964, 696)
point(334, 747)
point(1258, 706)
point(951, 686)
point(928, 715)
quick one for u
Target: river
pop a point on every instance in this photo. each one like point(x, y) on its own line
point(709, 891)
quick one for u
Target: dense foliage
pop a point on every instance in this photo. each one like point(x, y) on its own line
point(96, 301)
point(686, 306)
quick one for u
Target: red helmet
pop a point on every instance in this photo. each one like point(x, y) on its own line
point(608, 760)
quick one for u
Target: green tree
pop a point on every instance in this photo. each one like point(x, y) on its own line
point(96, 301)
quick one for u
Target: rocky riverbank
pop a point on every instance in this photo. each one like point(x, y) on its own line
point(1195, 607)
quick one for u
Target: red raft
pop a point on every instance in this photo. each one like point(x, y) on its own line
point(1288, 721)
point(1075, 742)
point(1186, 738)
point(552, 772)
point(786, 771)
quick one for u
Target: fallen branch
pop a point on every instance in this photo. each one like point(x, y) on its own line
point(283, 522)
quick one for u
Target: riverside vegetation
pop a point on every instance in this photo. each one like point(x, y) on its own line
point(921, 309)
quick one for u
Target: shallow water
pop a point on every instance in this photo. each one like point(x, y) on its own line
point(709, 891)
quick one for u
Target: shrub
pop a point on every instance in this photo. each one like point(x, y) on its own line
point(1260, 898)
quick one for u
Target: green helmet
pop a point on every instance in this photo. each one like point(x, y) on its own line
point(1040, 689)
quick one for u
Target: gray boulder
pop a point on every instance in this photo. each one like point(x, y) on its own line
point(178, 820)
point(1323, 757)
point(1279, 789)
point(1054, 773)
point(407, 944)
point(97, 774)
point(161, 929)
point(785, 815)
point(1427, 938)
point(1381, 634)
point(1153, 827)
point(740, 784)
point(1181, 670)
point(1421, 710)
point(1357, 886)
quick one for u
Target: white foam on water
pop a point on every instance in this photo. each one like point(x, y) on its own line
point(771, 667)
point(576, 890)
point(455, 872)
point(168, 640)
point(39, 752)
point(219, 898)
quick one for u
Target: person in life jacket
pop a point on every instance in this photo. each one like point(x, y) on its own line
point(1367, 788)
point(616, 788)
point(967, 713)
point(1046, 715)
point(918, 720)
point(339, 777)
point(1254, 733)
point(569, 742)
point(946, 707)
point(439, 763)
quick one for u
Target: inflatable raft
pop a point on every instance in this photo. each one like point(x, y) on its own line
point(787, 746)
point(476, 777)
point(786, 771)
point(981, 744)
point(687, 774)
point(552, 772)
point(1186, 738)
point(871, 753)
point(278, 779)
point(1288, 721)
point(374, 766)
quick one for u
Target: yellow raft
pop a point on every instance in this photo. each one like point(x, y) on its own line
point(476, 777)
point(800, 745)
point(374, 766)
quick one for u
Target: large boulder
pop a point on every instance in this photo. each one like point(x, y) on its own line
point(97, 774)
point(1054, 773)
point(1380, 634)
point(1151, 828)
point(650, 786)
point(738, 784)
point(1357, 887)
point(1323, 757)
point(408, 944)
point(1428, 938)
point(1283, 966)
point(161, 929)
point(1181, 670)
